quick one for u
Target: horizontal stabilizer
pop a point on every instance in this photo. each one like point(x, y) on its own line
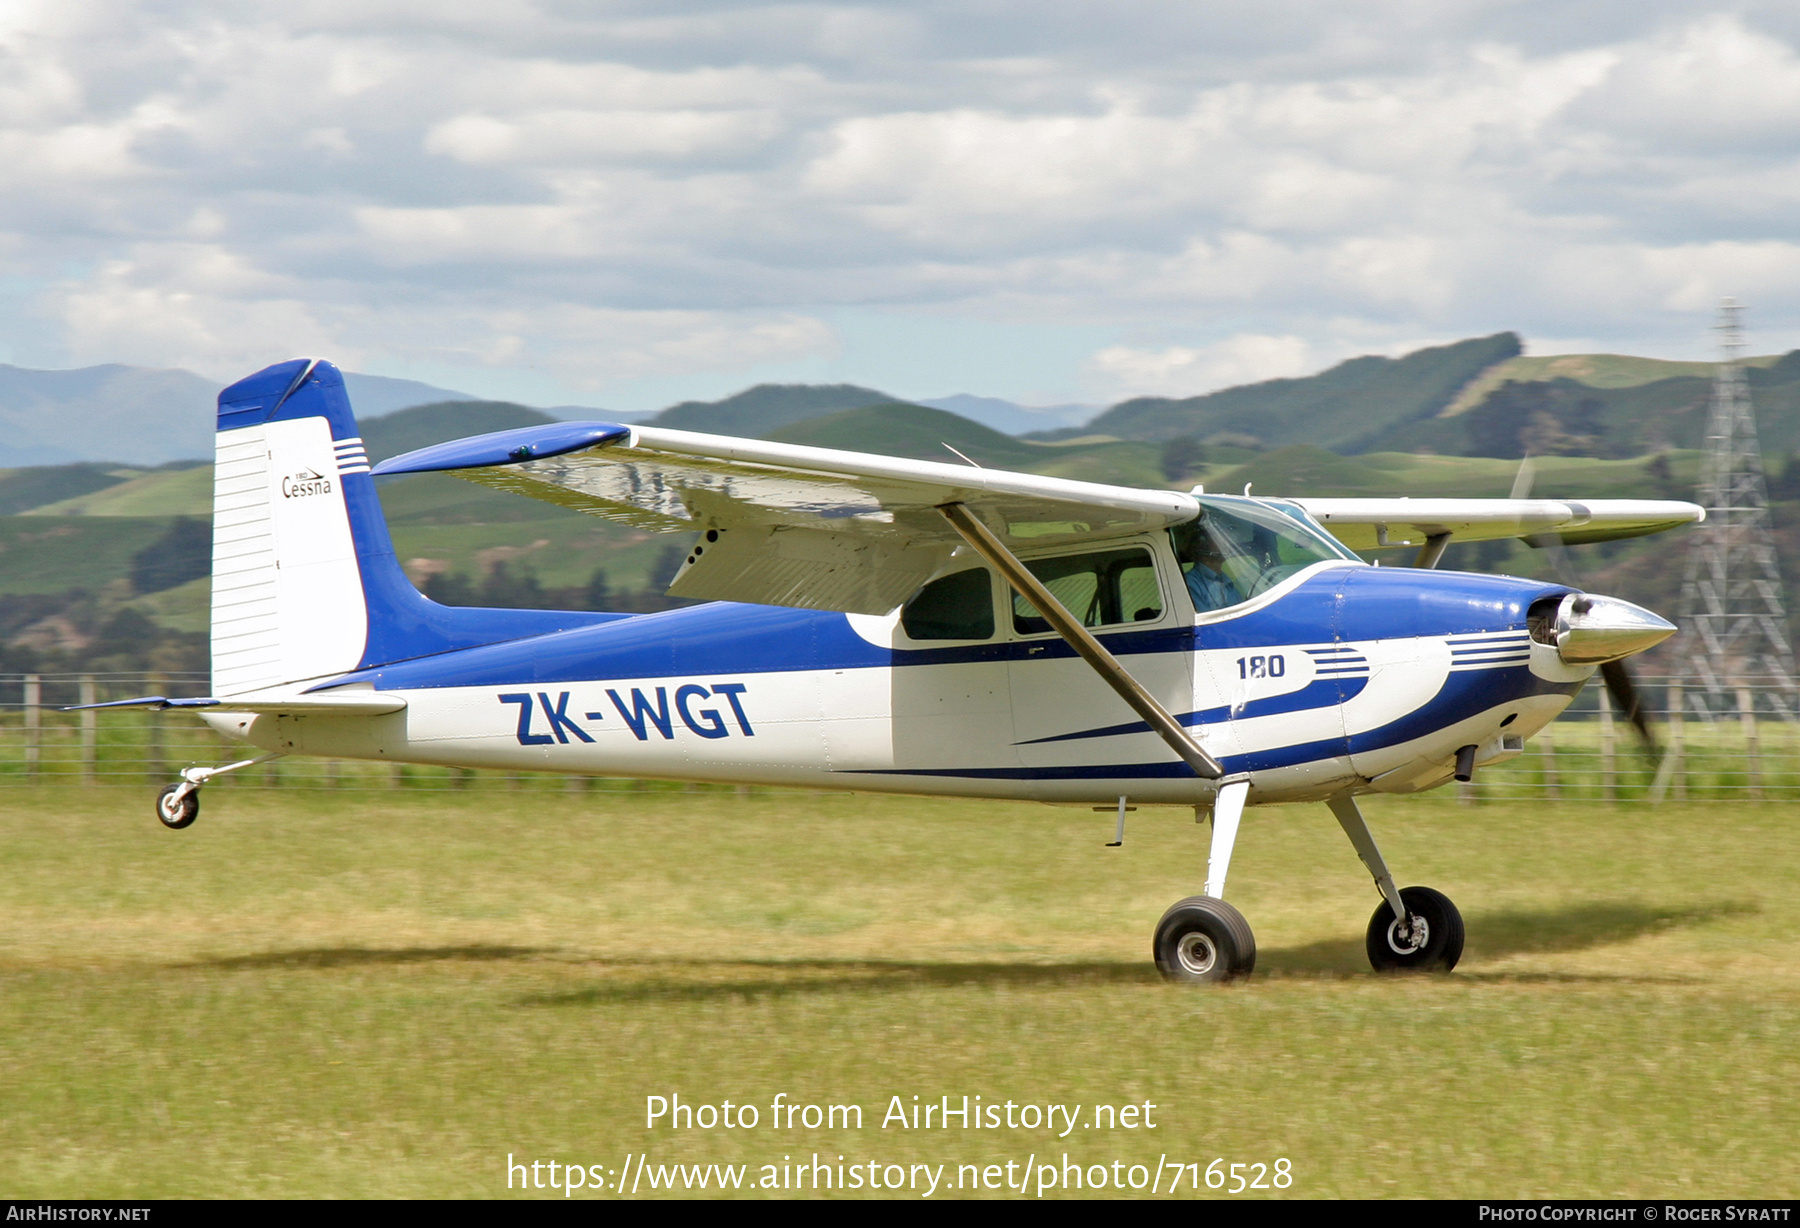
point(505, 447)
point(342, 703)
point(147, 703)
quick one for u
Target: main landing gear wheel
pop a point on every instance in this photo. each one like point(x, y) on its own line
point(178, 805)
point(1433, 942)
point(1202, 941)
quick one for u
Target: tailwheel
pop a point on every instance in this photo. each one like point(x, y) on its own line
point(1203, 940)
point(178, 805)
point(1431, 940)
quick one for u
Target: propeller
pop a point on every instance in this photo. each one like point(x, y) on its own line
point(1621, 683)
point(1622, 686)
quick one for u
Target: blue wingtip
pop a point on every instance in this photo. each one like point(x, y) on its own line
point(505, 447)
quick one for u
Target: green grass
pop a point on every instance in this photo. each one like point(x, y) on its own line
point(368, 994)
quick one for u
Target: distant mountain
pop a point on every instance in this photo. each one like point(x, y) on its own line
point(1357, 406)
point(756, 411)
point(374, 395)
point(1011, 418)
point(143, 416)
point(106, 413)
point(593, 413)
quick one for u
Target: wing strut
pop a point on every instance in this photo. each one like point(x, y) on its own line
point(1432, 550)
point(1091, 650)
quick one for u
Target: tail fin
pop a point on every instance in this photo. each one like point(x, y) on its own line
point(305, 583)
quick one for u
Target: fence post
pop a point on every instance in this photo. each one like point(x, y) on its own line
point(34, 723)
point(90, 732)
point(1752, 749)
point(1608, 747)
point(1547, 750)
point(1672, 767)
point(155, 758)
point(1678, 737)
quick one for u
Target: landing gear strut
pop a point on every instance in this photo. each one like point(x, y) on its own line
point(1415, 929)
point(178, 805)
point(1203, 940)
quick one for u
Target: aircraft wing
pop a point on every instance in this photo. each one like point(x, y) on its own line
point(1368, 524)
point(785, 524)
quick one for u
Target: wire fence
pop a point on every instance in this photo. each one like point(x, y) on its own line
point(42, 745)
point(1590, 754)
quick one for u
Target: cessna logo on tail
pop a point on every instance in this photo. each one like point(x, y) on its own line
point(306, 482)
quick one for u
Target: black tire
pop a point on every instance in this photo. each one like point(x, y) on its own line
point(177, 815)
point(1443, 944)
point(1202, 941)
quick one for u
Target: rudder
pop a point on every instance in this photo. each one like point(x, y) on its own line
point(287, 600)
point(306, 586)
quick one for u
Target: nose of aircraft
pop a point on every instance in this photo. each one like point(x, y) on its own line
point(1591, 630)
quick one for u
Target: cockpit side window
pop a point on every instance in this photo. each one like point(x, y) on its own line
point(1102, 589)
point(959, 606)
point(1238, 548)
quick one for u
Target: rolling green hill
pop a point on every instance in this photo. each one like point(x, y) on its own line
point(182, 492)
point(898, 429)
point(1303, 470)
point(755, 412)
point(1593, 370)
point(1608, 416)
point(1351, 408)
point(39, 485)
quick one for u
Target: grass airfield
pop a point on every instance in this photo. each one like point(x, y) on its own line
point(366, 994)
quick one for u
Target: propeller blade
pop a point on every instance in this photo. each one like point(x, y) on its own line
point(1623, 689)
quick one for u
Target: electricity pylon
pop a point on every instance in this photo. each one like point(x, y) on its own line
point(1732, 611)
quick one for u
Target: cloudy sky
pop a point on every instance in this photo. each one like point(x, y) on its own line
point(625, 204)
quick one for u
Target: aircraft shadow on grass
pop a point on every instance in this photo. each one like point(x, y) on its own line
point(1523, 931)
point(1546, 931)
point(689, 980)
point(352, 957)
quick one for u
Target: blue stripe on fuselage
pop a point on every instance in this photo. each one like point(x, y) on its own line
point(1321, 694)
point(1345, 604)
point(1462, 696)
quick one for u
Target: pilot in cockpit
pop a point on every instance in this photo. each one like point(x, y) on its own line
point(1203, 566)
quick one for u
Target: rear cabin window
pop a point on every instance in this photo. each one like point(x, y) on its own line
point(956, 607)
point(1101, 590)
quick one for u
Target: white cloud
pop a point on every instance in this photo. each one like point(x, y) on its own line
point(700, 186)
point(1181, 371)
point(565, 137)
point(209, 314)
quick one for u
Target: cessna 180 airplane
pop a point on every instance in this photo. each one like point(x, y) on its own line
point(906, 626)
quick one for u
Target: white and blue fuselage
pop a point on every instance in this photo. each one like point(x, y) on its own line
point(1345, 676)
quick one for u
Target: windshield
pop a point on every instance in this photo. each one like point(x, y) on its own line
point(1238, 548)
